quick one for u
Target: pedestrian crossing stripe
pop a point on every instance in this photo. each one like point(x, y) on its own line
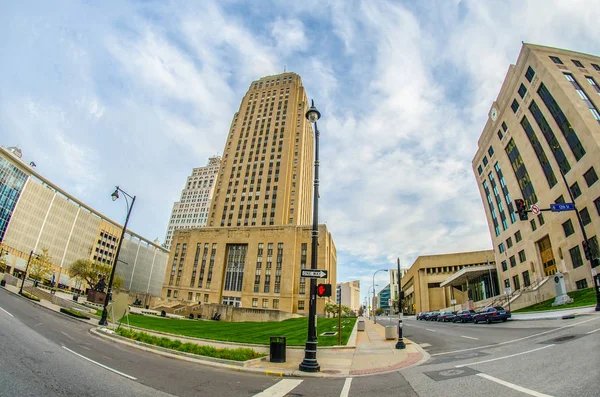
point(280, 388)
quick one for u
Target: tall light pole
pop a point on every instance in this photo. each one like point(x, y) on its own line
point(309, 363)
point(115, 196)
point(375, 312)
point(26, 269)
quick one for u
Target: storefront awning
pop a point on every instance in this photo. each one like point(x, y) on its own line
point(467, 273)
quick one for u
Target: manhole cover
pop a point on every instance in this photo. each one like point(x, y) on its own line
point(451, 373)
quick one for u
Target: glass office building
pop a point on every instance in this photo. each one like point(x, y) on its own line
point(12, 181)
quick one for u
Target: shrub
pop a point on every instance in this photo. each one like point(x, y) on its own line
point(73, 313)
point(239, 354)
point(30, 296)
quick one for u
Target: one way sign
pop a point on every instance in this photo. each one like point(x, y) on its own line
point(308, 273)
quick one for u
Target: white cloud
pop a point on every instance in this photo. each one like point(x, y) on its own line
point(289, 35)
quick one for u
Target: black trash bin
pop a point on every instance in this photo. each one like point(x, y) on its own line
point(76, 298)
point(277, 349)
point(2, 283)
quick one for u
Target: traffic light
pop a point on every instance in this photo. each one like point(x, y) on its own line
point(587, 249)
point(521, 209)
point(324, 290)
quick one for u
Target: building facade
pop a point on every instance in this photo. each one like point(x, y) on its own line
point(394, 281)
point(251, 267)
point(349, 294)
point(434, 281)
point(191, 210)
point(541, 144)
point(36, 214)
point(383, 298)
point(260, 211)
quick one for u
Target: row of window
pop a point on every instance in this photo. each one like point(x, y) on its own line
point(577, 63)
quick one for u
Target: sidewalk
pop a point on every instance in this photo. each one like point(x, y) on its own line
point(553, 314)
point(367, 353)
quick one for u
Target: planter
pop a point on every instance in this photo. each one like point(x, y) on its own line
point(96, 297)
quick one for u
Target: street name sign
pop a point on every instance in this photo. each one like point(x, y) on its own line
point(308, 273)
point(562, 207)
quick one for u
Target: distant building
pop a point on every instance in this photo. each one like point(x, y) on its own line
point(545, 123)
point(394, 281)
point(349, 292)
point(384, 297)
point(35, 214)
point(191, 211)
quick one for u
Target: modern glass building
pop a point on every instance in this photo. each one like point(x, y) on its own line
point(12, 181)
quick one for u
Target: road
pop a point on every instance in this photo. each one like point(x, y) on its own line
point(48, 354)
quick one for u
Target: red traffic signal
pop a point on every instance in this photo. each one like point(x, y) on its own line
point(521, 209)
point(324, 290)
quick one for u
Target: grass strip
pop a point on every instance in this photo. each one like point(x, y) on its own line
point(295, 330)
point(30, 296)
point(73, 313)
point(582, 297)
point(238, 354)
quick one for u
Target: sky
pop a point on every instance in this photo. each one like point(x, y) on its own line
point(137, 93)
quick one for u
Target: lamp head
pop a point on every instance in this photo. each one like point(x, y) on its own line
point(115, 194)
point(312, 114)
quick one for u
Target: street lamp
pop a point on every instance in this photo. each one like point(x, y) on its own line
point(309, 363)
point(375, 311)
point(26, 269)
point(115, 196)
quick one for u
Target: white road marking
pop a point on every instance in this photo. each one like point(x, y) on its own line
point(280, 388)
point(468, 337)
point(424, 344)
point(346, 388)
point(515, 340)
point(427, 329)
point(67, 335)
point(100, 365)
point(6, 312)
point(513, 386)
point(503, 357)
point(591, 332)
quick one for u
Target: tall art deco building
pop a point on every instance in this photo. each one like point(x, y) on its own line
point(258, 232)
point(541, 144)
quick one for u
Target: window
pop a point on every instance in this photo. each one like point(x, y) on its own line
point(254, 302)
point(585, 216)
point(506, 283)
point(509, 242)
point(485, 161)
point(595, 66)
point(597, 204)
point(518, 236)
point(593, 83)
point(526, 280)
point(275, 303)
point(576, 259)
point(541, 219)
point(480, 169)
point(583, 96)
point(521, 173)
point(514, 105)
point(529, 74)
point(533, 225)
point(577, 63)
point(556, 60)
point(590, 177)
point(265, 303)
point(522, 91)
point(175, 293)
point(568, 228)
point(575, 190)
point(500, 136)
point(300, 305)
point(168, 293)
point(504, 127)
point(581, 284)
point(555, 147)
point(501, 247)
point(513, 261)
point(560, 200)
point(516, 282)
point(205, 298)
point(539, 151)
point(504, 266)
point(491, 151)
point(522, 257)
point(190, 296)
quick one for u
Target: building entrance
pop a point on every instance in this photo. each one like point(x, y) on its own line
point(548, 260)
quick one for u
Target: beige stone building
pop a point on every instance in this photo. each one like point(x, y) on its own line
point(260, 211)
point(349, 294)
point(36, 214)
point(433, 281)
point(544, 123)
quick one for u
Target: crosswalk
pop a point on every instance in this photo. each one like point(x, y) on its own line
point(285, 386)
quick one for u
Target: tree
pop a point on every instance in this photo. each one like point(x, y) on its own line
point(92, 272)
point(41, 266)
point(3, 263)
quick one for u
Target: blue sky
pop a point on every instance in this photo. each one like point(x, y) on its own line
point(139, 93)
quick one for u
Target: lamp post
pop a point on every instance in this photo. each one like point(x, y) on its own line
point(400, 343)
point(115, 196)
point(309, 363)
point(26, 269)
point(375, 311)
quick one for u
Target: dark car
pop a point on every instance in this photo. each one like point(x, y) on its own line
point(491, 314)
point(445, 316)
point(425, 316)
point(420, 315)
point(433, 316)
point(464, 316)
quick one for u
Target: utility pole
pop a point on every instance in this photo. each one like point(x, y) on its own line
point(400, 344)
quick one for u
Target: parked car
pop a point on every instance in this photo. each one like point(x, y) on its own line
point(491, 314)
point(433, 316)
point(445, 316)
point(464, 316)
point(420, 315)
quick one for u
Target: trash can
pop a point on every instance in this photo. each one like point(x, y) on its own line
point(76, 298)
point(361, 325)
point(277, 349)
point(390, 332)
point(2, 283)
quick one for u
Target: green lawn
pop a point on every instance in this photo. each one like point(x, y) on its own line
point(582, 297)
point(295, 330)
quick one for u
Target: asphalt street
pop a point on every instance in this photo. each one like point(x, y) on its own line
point(44, 353)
